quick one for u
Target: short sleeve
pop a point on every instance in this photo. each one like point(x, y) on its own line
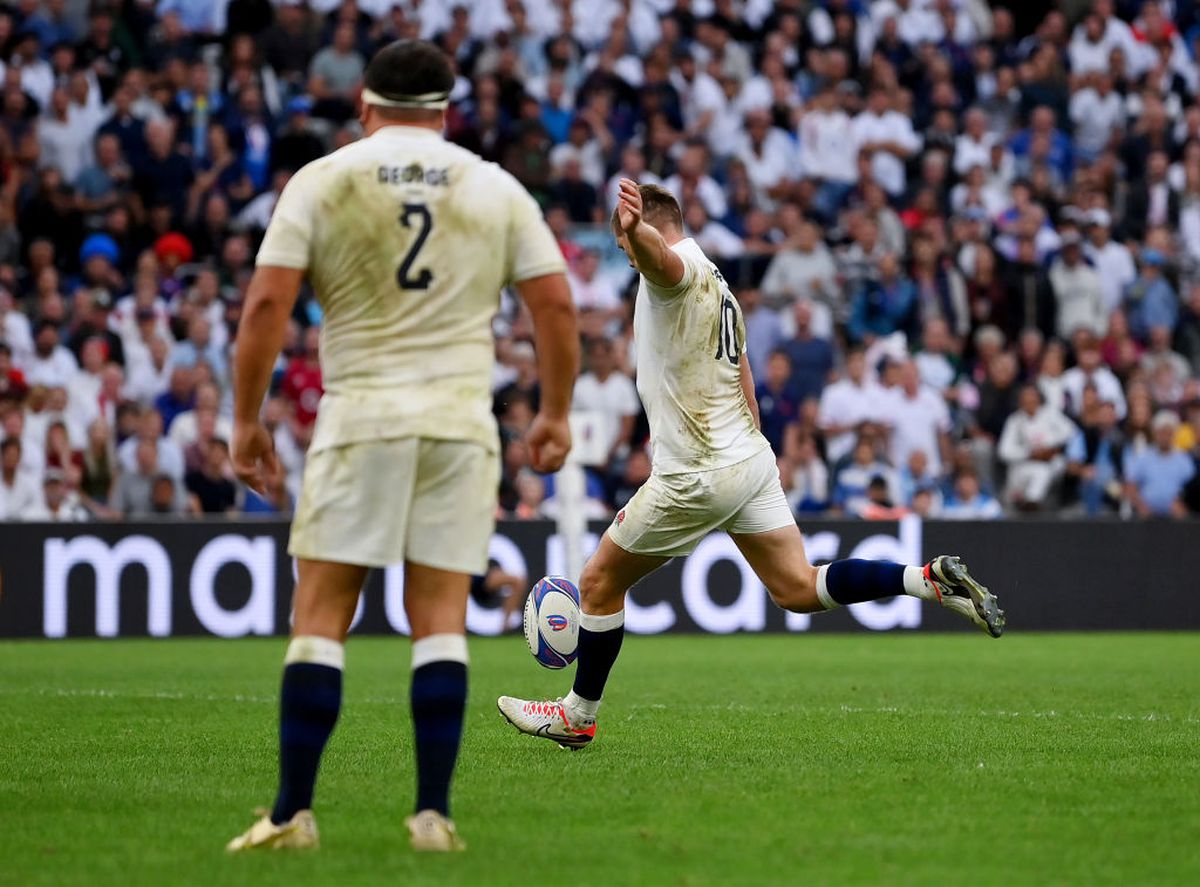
point(532, 249)
point(288, 240)
point(691, 273)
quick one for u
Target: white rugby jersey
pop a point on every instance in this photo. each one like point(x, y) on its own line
point(407, 240)
point(690, 338)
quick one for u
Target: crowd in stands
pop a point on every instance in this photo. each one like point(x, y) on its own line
point(965, 236)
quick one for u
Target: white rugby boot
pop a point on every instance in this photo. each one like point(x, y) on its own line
point(298, 833)
point(432, 832)
point(546, 718)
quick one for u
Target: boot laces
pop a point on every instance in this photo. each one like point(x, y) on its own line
point(545, 708)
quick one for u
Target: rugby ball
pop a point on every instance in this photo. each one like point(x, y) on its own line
point(552, 621)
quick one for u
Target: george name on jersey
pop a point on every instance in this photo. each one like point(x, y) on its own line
point(412, 174)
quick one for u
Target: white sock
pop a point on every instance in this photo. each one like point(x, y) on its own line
point(823, 590)
point(602, 623)
point(316, 650)
point(916, 585)
point(439, 648)
point(580, 712)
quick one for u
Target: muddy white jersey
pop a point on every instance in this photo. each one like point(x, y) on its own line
point(690, 339)
point(407, 240)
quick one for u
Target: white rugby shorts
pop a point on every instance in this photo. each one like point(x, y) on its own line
point(378, 503)
point(671, 513)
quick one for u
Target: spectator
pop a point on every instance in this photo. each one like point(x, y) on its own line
point(184, 430)
point(58, 503)
point(811, 356)
point(1151, 201)
point(1187, 333)
point(1029, 294)
point(848, 405)
point(1150, 300)
point(19, 492)
point(918, 419)
point(131, 494)
point(804, 269)
point(828, 149)
point(1088, 372)
point(1113, 261)
point(764, 331)
point(595, 294)
point(51, 365)
point(65, 139)
point(1095, 459)
point(1077, 290)
point(940, 291)
point(884, 306)
point(179, 397)
point(1032, 446)
point(611, 396)
point(778, 403)
point(887, 137)
point(715, 239)
point(1155, 478)
point(805, 475)
point(212, 483)
point(12, 381)
point(852, 482)
point(149, 428)
point(335, 75)
point(969, 501)
point(164, 175)
point(302, 386)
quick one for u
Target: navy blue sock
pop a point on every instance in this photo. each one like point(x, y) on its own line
point(598, 649)
point(439, 696)
point(308, 709)
point(853, 581)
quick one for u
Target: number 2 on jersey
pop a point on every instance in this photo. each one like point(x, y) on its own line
point(404, 275)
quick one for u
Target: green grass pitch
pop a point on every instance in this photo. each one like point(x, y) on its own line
point(951, 759)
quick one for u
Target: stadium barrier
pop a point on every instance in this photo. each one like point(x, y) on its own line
point(232, 579)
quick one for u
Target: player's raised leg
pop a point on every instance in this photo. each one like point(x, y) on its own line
point(309, 701)
point(436, 603)
point(606, 579)
point(779, 560)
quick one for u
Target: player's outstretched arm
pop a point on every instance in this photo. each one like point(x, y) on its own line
point(748, 390)
point(556, 336)
point(654, 260)
point(269, 302)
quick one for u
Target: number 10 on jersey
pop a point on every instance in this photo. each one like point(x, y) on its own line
point(728, 347)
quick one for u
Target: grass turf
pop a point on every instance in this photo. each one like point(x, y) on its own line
point(733, 760)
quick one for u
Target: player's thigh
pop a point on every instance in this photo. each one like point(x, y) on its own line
point(765, 531)
point(453, 511)
point(435, 600)
point(778, 558)
point(355, 503)
point(609, 573)
point(325, 598)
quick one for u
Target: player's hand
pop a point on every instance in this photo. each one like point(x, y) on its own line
point(549, 441)
point(252, 452)
point(629, 205)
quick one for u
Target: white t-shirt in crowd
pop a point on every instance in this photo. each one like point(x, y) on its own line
point(613, 399)
point(845, 404)
point(916, 424)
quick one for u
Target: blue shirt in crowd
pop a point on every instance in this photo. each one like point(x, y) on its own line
point(1160, 477)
